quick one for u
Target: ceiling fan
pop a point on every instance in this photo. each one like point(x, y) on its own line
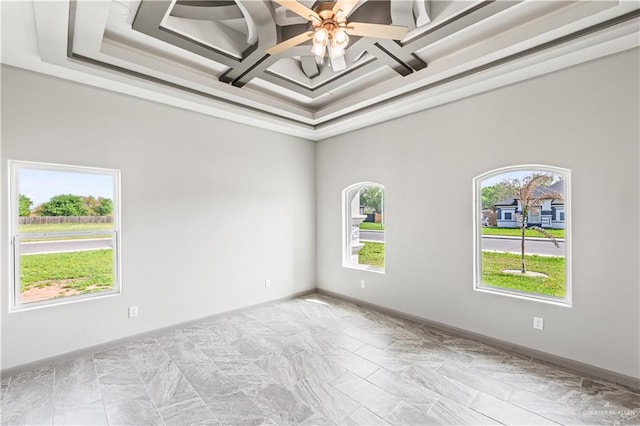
point(331, 30)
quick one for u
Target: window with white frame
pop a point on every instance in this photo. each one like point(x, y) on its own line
point(363, 226)
point(65, 231)
point(525, 250)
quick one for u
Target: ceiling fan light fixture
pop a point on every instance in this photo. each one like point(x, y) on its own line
point(318, 48)
point(340, 38)
point(335, 51)
point(335, 39)
point(321, 36)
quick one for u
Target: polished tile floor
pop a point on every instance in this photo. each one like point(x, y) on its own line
point(313, 360)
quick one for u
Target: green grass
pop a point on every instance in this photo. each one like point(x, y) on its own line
point(516, 232)
point(75, 270)
point(372, 226)
point(494, 263)
point(63, 227)
point(372, 254)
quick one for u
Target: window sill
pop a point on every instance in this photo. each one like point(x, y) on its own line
point(365, 268)
point(566, 302)
point(58, 302)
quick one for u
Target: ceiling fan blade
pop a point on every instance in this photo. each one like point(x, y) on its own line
point(344, 7)
point(362, 29)
point(299, 9)
point(288, 44)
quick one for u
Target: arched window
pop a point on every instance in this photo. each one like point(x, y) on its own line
point(522, 233)
point(363, 226)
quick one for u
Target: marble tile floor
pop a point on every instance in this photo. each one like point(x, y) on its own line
point(314, 360)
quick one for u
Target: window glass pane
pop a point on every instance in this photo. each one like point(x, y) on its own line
point(64, 201)
point(522, 236)
point(52, 269)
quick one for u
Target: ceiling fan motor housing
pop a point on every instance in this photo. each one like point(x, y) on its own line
point(329, 21)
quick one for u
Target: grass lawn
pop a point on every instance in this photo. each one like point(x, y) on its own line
point(494, 263)
point(372, 226)
point(515, 232)
point(64, 227)
point(372, 254)
point(75, 270)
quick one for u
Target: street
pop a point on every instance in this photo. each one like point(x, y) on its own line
point(532, 246)
point(377, 236)
point(62, 246)
point(537, 246)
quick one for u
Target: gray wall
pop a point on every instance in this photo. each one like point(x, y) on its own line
point(210, 209)
point(584, 118)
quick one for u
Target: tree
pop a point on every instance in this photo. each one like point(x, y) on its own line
point(105, 207)
point(371, 199)
point(531, 192)
point(24, 205)
point(495, 193)
point(92, 205)
point(64, 205)
point(97, 206)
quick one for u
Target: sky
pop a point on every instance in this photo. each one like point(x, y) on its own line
point(512, 175)
point(41, 185)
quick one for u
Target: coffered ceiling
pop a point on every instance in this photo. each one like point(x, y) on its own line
point(209, 55)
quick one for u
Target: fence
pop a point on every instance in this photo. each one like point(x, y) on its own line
point(40, 220)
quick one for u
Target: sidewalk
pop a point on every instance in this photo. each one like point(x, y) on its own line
point(504, 237)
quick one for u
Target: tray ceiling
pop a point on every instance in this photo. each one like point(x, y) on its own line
point(209, 56)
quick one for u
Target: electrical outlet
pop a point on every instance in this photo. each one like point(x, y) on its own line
point(133, 311)
point(538, 323)
point(363, 284)
point(267, 283)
